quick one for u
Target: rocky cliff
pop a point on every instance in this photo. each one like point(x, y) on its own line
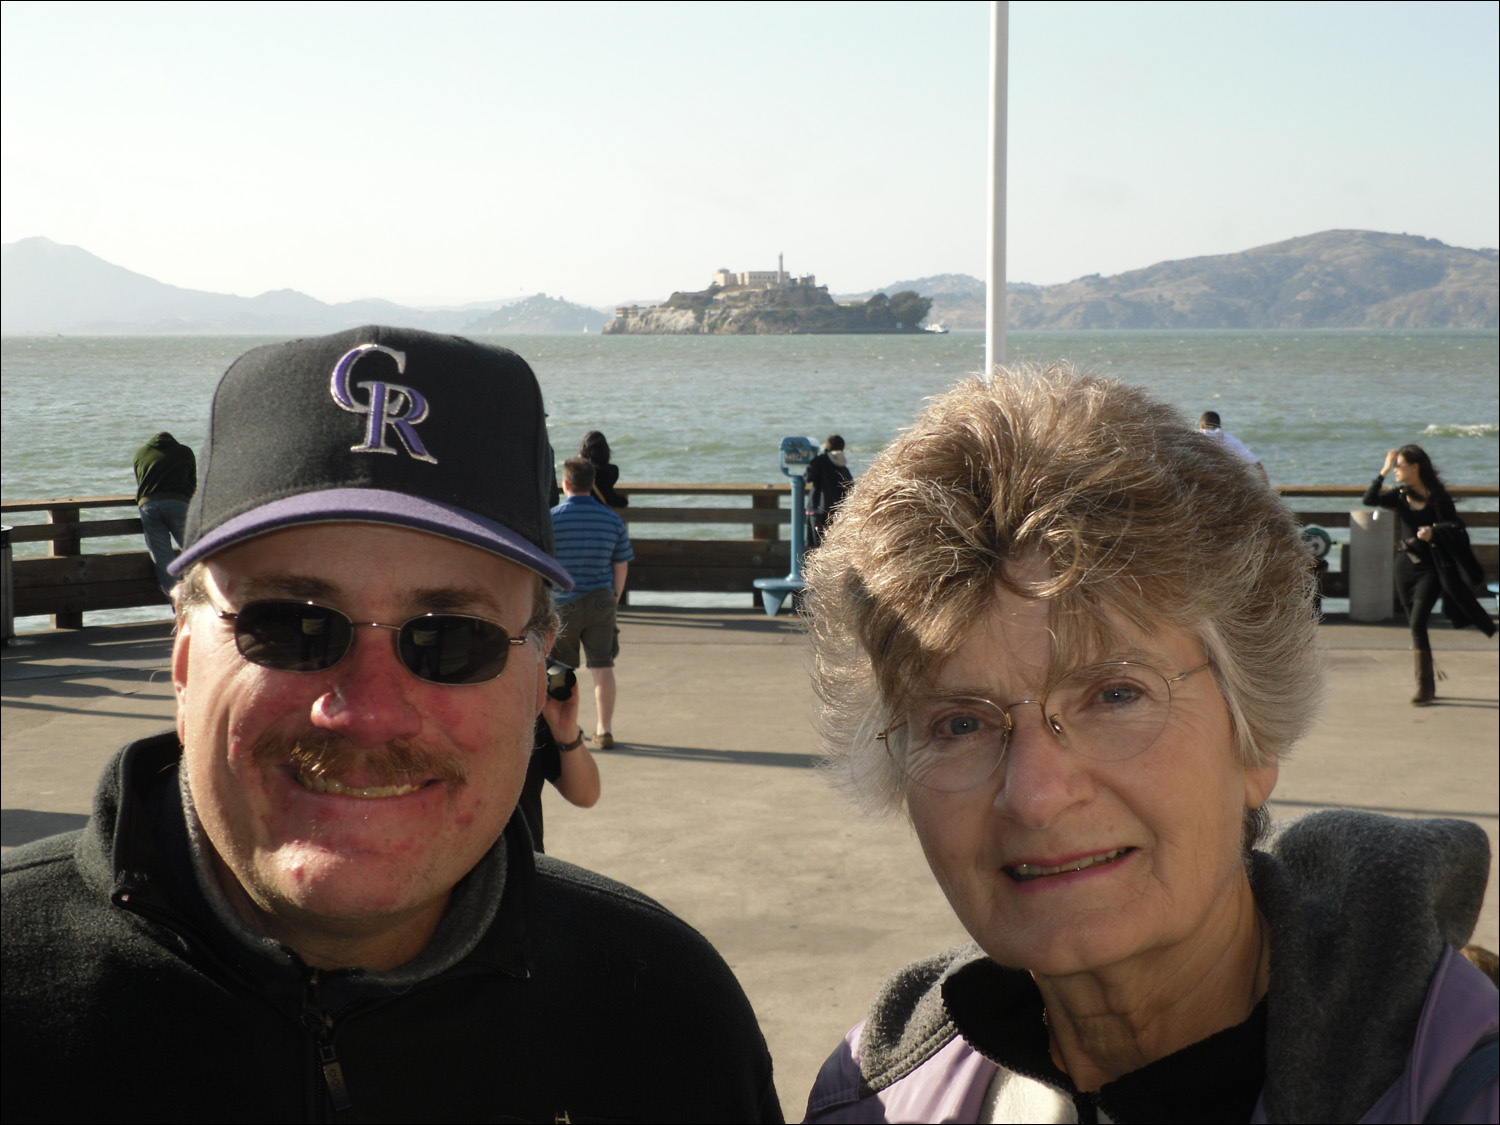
point(780, 311)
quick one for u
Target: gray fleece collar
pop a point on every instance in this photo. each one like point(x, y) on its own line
point(909, 1023)
point(471, 909)
point(1360, 907)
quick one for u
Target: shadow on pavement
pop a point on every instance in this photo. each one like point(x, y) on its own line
point(86, 651)
point(21, 826)
point(63, 681)
point(1392, 810)
point(699, 754)
point(62, 709)
point(718, 620)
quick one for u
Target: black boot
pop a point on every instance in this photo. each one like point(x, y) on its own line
point(1426, 688)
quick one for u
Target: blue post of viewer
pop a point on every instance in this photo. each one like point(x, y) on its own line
point(796, 454)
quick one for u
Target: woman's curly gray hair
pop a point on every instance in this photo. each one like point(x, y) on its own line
point(1140, 521)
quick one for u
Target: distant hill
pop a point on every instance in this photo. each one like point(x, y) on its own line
point(938, 285)
point(1335, 279)
point(49, 287)
point(957, 298)
point(540, 314)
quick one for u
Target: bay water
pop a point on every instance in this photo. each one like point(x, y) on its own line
point(1317, 407)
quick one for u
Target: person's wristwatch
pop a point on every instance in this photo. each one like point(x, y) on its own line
point(575, 744)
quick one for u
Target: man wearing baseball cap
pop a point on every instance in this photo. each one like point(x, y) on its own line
point(314, 898)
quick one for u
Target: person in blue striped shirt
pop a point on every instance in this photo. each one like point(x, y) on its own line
point(591, 543)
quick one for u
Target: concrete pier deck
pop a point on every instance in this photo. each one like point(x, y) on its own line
point(711, 804)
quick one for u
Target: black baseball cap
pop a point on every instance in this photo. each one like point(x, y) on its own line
point(379, 425)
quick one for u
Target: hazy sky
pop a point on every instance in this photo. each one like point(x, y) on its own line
point(600, 152)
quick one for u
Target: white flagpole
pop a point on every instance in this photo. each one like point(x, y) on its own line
point(994, 320)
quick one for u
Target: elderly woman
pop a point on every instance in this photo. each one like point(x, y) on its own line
point(1072, 639)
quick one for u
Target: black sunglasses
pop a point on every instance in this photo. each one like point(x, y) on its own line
point(441, 648)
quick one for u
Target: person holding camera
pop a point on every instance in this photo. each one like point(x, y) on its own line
point(559, 753)
point(1432, 558)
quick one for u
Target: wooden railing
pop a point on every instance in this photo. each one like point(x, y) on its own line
point(68, 582)
point(701, 564)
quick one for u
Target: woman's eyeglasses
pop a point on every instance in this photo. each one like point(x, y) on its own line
point(1108, 712)
point(441, 648)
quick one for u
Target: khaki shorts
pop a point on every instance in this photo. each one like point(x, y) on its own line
point(590, 620)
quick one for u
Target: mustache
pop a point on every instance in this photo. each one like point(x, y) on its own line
point(399, 762)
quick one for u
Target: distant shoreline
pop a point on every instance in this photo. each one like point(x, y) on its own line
point(264, 334)
point(1332, 280)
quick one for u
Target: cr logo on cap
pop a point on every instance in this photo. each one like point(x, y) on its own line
point(389, 405)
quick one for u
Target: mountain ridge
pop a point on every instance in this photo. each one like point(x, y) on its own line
point(47, 287)
point(1331, 279)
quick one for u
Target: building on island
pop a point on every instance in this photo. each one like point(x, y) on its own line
point(761, 279)
point(741, 303)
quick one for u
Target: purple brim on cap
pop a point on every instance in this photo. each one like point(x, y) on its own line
point(370, 505)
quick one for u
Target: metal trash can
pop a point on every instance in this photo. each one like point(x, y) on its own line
point(1372, 573)
point(7, 598)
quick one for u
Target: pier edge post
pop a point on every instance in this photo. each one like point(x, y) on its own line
point(66, 545)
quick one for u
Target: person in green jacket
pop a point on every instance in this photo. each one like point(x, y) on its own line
point(166, 476)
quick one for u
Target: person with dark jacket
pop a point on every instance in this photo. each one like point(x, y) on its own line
point(315, 898)
point(828, 481)
point(595, 449)
point(1433, 557)
point(545, 990)
point(166, 476)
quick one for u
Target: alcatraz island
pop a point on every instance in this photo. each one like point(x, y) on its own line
point(769, 302)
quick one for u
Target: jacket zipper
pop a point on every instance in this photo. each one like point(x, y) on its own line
point(320, 1027)
point(313, 1020)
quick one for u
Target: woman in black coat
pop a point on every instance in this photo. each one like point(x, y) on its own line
point(1432, 558)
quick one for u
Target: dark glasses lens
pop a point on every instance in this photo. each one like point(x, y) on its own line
point(448, 648)
point(291, 636)
point(441, 648)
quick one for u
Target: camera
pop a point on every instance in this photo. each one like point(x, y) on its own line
point(560, 679)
